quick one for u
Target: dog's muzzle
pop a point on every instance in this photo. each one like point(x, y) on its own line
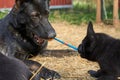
point(51, 35)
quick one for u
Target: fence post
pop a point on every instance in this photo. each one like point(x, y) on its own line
point(98, 11)
point(115, 13)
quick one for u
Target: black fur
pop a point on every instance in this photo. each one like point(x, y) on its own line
point(27, 19)
point(104, 50)
point(18, 30)
point(13, 69)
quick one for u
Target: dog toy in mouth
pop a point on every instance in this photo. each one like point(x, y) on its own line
point(50, 39)
point(69, 45)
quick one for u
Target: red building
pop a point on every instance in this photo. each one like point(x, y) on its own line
point(53, 4)
point(60, 4)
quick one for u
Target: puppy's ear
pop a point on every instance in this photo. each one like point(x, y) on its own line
point(90, 29)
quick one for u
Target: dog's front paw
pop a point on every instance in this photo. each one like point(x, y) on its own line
point(49, 74)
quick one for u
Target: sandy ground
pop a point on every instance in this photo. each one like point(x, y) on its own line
point(65, 60)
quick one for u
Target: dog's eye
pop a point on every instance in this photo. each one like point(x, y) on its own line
point(35, 15)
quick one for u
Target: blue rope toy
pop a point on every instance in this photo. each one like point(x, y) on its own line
point(69, 45)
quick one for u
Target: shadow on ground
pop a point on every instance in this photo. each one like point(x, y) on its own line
point(60, 53)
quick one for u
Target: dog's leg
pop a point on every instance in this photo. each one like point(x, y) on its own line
point(44, 72)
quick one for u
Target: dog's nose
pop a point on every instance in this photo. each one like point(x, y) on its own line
point(51, 35)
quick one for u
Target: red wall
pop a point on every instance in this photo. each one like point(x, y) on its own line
point(61, 2)
point(6, 3)
point(10, 3)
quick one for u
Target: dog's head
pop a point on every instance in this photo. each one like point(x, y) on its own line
point(87, 47)
point(32, 16)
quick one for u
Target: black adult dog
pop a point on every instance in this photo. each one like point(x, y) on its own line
point(103, 49)
point(24, 31)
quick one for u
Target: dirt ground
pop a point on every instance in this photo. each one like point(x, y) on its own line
point(65, 60)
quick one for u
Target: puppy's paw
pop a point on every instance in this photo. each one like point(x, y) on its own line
point(93, 73)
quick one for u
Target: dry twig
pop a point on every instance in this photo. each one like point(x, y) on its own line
point(37, 71)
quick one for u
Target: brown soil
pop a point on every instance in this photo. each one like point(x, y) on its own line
point(65, 60)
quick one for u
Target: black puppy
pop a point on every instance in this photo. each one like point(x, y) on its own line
point(104, 50)
point(24, 32)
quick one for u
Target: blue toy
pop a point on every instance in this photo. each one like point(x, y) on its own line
point(69, 45)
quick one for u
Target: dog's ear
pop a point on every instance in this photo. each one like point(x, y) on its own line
point(19, 2)
point(90, 30)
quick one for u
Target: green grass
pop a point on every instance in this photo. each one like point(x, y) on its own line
point(2, 14)
point(81, 13)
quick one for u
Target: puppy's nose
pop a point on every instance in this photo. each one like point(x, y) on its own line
point(52, 35)
point(80, 48)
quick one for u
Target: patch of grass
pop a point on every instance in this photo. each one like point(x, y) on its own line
point(2, 14)
point(81, 13)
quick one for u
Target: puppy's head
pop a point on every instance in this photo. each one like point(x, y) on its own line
point(87, 47)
